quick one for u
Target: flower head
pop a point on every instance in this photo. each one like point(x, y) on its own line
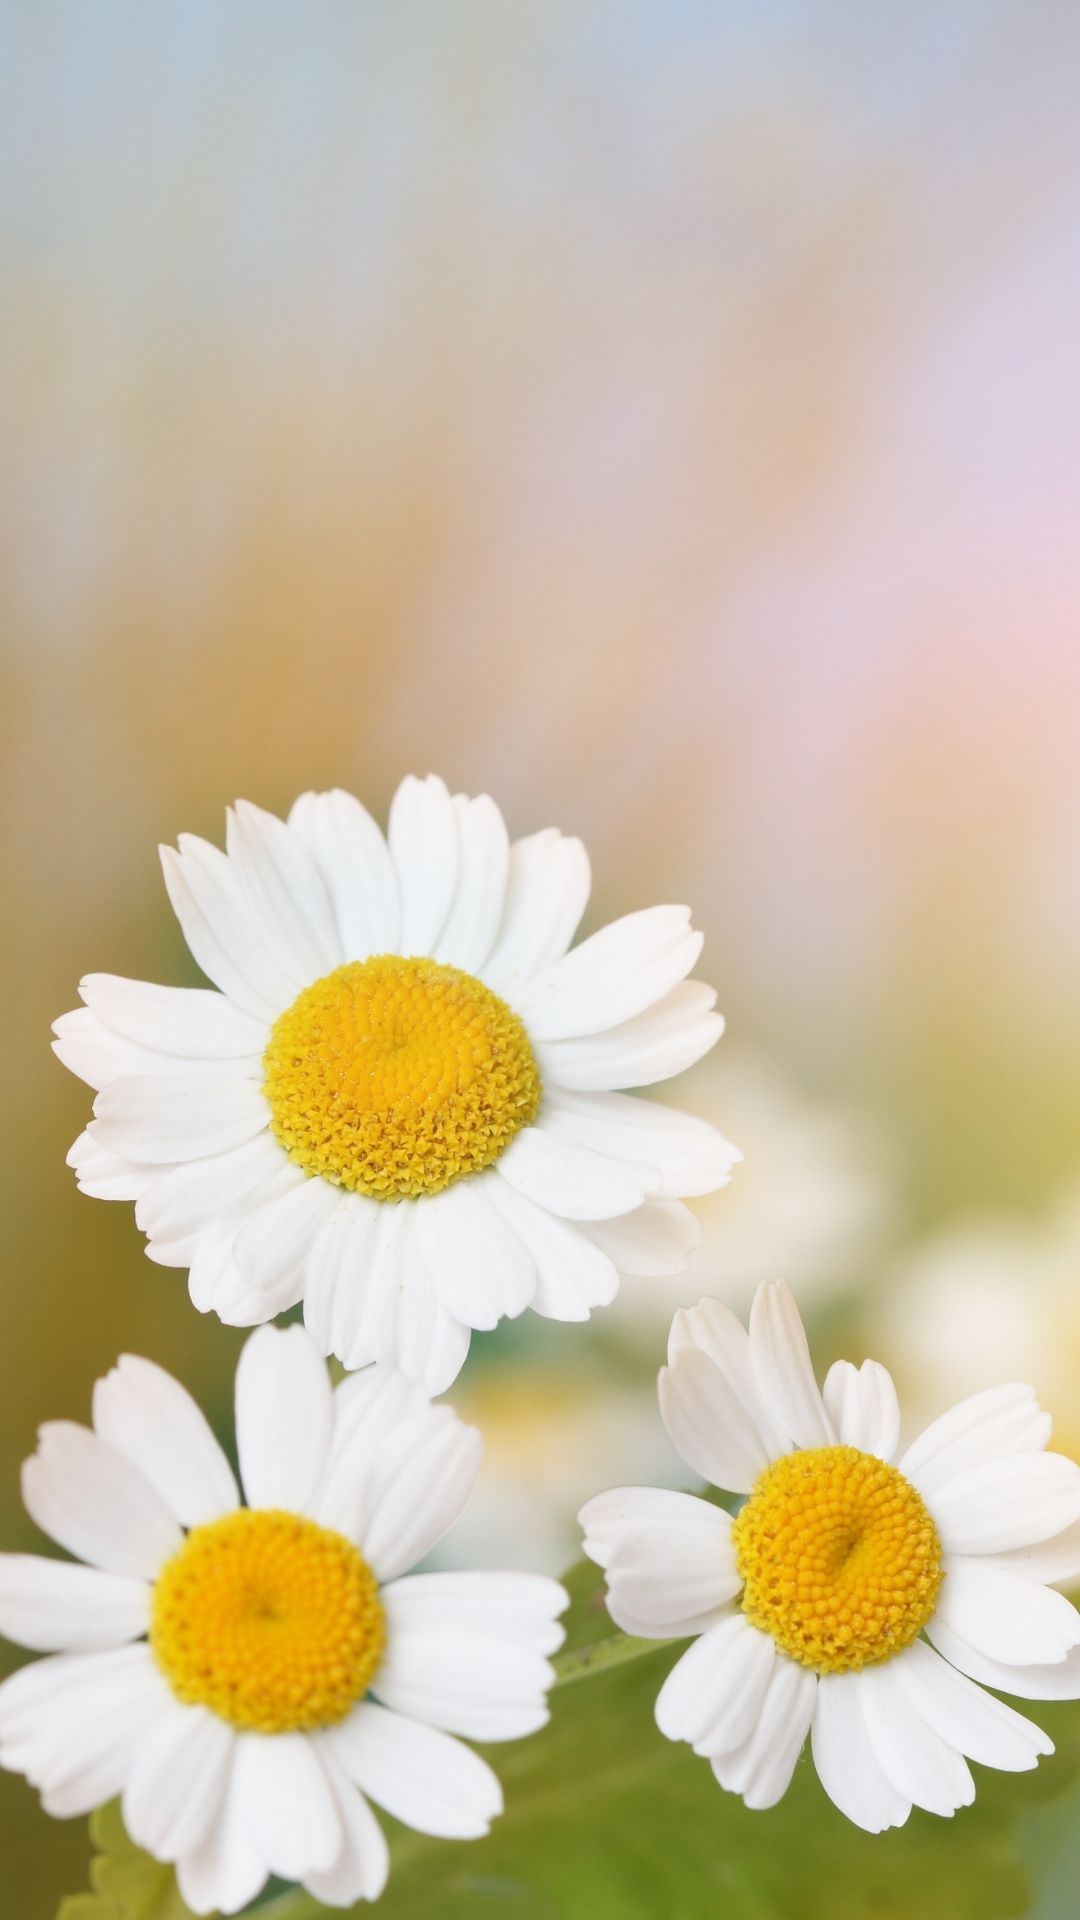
point(244, 1675)
point(860, 1592)
point(401, 1105)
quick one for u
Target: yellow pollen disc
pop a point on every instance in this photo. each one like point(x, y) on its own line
point(395, 1077)
point(841, 1559)
point(272, 1622)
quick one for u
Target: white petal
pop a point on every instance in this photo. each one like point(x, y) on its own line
point(848, 1767)
point(712, 1697)
point(150, 1418)
point(285, 893)
point(216, 1284)
point(177, 1778)
point(337, 1276)
point(861, 1402)
point(547, 890)
point(1004, 1503)
point(612, 975)
point(220, 930)
point(423, 1777)
point(708, 1425)
point(479, 1267)
point(50, 1605)
point(1000, 1421)
point(1005, 1615)
point(198, 1194)
point(573, 1275)
point(572, 1180)
point(652, 1241)
point(761, 1769)
point(477, 905)
point(290, 1811)
point(423, 840)
point(74, 1722)
point(361, 1868)
point(355, 864)
point(92, 1501)
point(91, 1050)
point(969, 1719)
point(400, 1470)
point(669, 1559)
point(921, 1766)
point(185, 1020)
point(1058, 1680)
point(284, 1412)
point(714, 1330)
point(690, 1156)
point(158, 1119)
point(1055, 1561)
point(655, 1045)
point(105, 1175)
point(427, 1342)
point(467, 1651)
point(227, 1871)
point(275, 1240)
point(783, 1368)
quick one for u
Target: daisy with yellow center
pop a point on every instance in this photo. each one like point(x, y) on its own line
point(860, 1592)
point(403, 1103)
point(245, 1676)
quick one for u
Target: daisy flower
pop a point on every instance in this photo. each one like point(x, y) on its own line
point(401, 1105)
point(245, 1675)
point(862, 1595)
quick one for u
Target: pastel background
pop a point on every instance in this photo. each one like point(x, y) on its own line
point(663, 416)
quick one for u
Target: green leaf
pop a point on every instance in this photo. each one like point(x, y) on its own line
point(128, 1884)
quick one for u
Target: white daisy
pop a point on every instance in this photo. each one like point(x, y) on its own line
point(401, 1105)
point(245, 1675)
point(851, 1599)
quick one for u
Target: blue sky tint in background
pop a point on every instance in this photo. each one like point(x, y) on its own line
point(662, 416)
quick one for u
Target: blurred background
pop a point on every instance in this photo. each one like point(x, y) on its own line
point(665, 417)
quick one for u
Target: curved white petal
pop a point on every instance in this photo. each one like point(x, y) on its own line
point(219, 929)
point(761, 1769)
point(572, 1180)
point(1057, 1680)
point(427, 1342)
point(919, 1763)
point(423, 839)
point(1006, 1615)
point(150, 1418)
point(1056, 1561)
point(226, 1871)
point(547, 890)
point(190, 1021)
point(423, 1777)
point(714, 1330)
point(467, 1652)
point(51, 1605)
point(965, 1716)
point(652, 1241)
point(289, 1809)
point(713, 1696)
point(285, 893)
point(666, 1039)
point(354, 860)
point(479, 1268)
point(105, 1175)
point(284, 1415)
point(217, 1285)
point(197, 1194)
point(73, 1723)
point(573, 1274)
point(159, 1119)
point(476, 909)
point(336, 1273)
point(690, 1156)
point(612, 975)
point(669, 1559)
point(846, 1762)
point(861, 1402)
point(1006, 1502)
point(708, 1424)
point(177, 1778)
point(92, 1501)
point(361, 1868)
point(274, 1241)
point(90, 1050)
point(783, 1368)
point(986, 1426)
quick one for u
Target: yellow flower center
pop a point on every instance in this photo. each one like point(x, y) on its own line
point(395, 1077)
point(272, 1622)
point(841, 1559)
